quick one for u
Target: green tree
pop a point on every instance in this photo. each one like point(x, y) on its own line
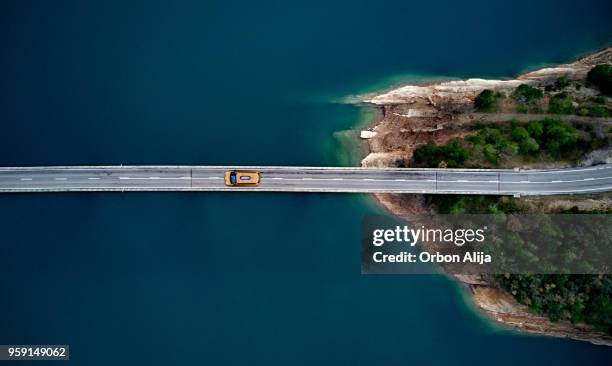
point(519, 134)
point(486, 101)
point(561, 104)
point(427, 155)
point(490, 153)
point(528, 146)
point(601, 76)
point(492, 135)
point(535, 129)
point(561, 82)
point(430, 155)
point(557, 135)
point(527, 94)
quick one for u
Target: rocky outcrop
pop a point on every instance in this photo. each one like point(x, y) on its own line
point(501, 306)
point(463, 91)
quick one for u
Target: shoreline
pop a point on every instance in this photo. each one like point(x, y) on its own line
point(409, 115)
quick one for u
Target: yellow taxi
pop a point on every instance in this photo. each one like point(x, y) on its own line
point(241, 178)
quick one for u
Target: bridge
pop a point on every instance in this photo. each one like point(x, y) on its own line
point(309, 179)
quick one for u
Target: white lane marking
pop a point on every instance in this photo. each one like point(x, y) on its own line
point(579, 190)
point(61, 178)
point(524, 181)
point(560, 171)
point(558, 181)
point(167, 178)
point(462, 181)
point(468, 181)
point(26, 178)
point(473, 191)
point(563, 170)
point(468, 171)
point(357, 179)
point(276, 178)
point(93, 178)
point(400, 180)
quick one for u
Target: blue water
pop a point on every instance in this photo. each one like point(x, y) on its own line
point(173, 278)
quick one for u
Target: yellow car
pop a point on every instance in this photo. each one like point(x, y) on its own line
point(241, 178)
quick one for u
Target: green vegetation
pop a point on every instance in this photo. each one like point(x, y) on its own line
point(454, 204)
point(586, 298)
point(452, 154)
point(601, 76)
point(593, 110)
point(577, 298)
point(487, 100)
point(526, 97)
point(561, 82)
point(594, 107)
point(527, 94)
point(493, 144)
point(561, 104)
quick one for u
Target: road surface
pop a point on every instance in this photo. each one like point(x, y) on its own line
point(309, 179)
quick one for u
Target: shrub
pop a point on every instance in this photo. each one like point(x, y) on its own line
point(490, 153)
point(527, 94)
point(519, 134)
point(535, 129)
point(522, 108)
point(561, 82)
point(601, 76)
point(492, 135)
point(426, 155)
point(431, 154)
point(557, 135)
point(596, 110)
point(487, 100)
point(560, 104)
point(598, 100)
point(528, 146)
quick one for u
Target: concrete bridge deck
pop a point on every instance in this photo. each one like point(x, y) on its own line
point(309, 179)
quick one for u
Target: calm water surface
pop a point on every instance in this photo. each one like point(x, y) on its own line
point(187, 278)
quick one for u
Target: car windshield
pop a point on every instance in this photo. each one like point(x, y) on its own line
point(233, 177)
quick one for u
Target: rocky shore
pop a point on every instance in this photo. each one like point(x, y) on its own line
point(412, 115)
